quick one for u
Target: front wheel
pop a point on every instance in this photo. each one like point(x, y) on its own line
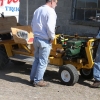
point(86, 73)
point(68, 74)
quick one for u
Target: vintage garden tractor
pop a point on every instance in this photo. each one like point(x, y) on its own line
point(70, 53)
point(73, 54)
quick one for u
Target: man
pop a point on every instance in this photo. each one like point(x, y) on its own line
point(43, 26)
point(96, 68)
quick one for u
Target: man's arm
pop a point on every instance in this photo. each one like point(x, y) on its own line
point(51, 23)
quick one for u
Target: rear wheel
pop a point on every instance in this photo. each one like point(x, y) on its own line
point(68, 74)
point(4, 60)
point(86, 73)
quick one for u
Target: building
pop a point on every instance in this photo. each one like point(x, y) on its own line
point(74, 16)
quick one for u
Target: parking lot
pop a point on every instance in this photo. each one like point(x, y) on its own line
point(14, 85)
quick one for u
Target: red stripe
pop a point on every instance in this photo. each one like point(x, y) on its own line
point(30, 40)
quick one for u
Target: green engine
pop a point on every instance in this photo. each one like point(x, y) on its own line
point(73, 48)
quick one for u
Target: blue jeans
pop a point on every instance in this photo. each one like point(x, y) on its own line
point(96, 70)
point(42, 50)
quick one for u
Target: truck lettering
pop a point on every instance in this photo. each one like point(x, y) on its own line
point(12, 9)
point(8, 2)
point(14, 1)
point(1, 2)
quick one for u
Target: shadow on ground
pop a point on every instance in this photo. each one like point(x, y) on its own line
point(85, 82)
point(10, 73)
point(51, 76)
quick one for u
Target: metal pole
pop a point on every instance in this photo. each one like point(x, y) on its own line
point(26, 12)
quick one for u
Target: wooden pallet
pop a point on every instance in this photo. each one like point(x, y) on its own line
point(6, 24)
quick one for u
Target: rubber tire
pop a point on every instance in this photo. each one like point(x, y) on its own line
point(4, 60)
point(85, 75)
point(17, 62)
point(73, 74)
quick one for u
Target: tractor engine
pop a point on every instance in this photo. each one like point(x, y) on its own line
point(72, 48)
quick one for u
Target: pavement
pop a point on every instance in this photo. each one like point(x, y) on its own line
point(14, 85)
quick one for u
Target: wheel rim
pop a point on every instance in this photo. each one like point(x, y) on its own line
point(86, 71)
point(65, 75)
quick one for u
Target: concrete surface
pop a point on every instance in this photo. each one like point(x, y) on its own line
point(14, 85)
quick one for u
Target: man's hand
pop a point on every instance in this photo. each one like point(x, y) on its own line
point(51, 41)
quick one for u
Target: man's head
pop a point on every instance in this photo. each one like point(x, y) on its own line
point(52, 3)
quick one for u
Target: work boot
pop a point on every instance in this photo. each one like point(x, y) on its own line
point(41, 84)
point(31, 82)
point(96, 84)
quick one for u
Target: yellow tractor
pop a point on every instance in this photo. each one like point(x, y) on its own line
point(70, 53)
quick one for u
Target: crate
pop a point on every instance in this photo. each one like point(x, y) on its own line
point(6, 24)
point(26, 30)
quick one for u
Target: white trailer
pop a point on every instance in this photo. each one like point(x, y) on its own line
point(10, 8)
